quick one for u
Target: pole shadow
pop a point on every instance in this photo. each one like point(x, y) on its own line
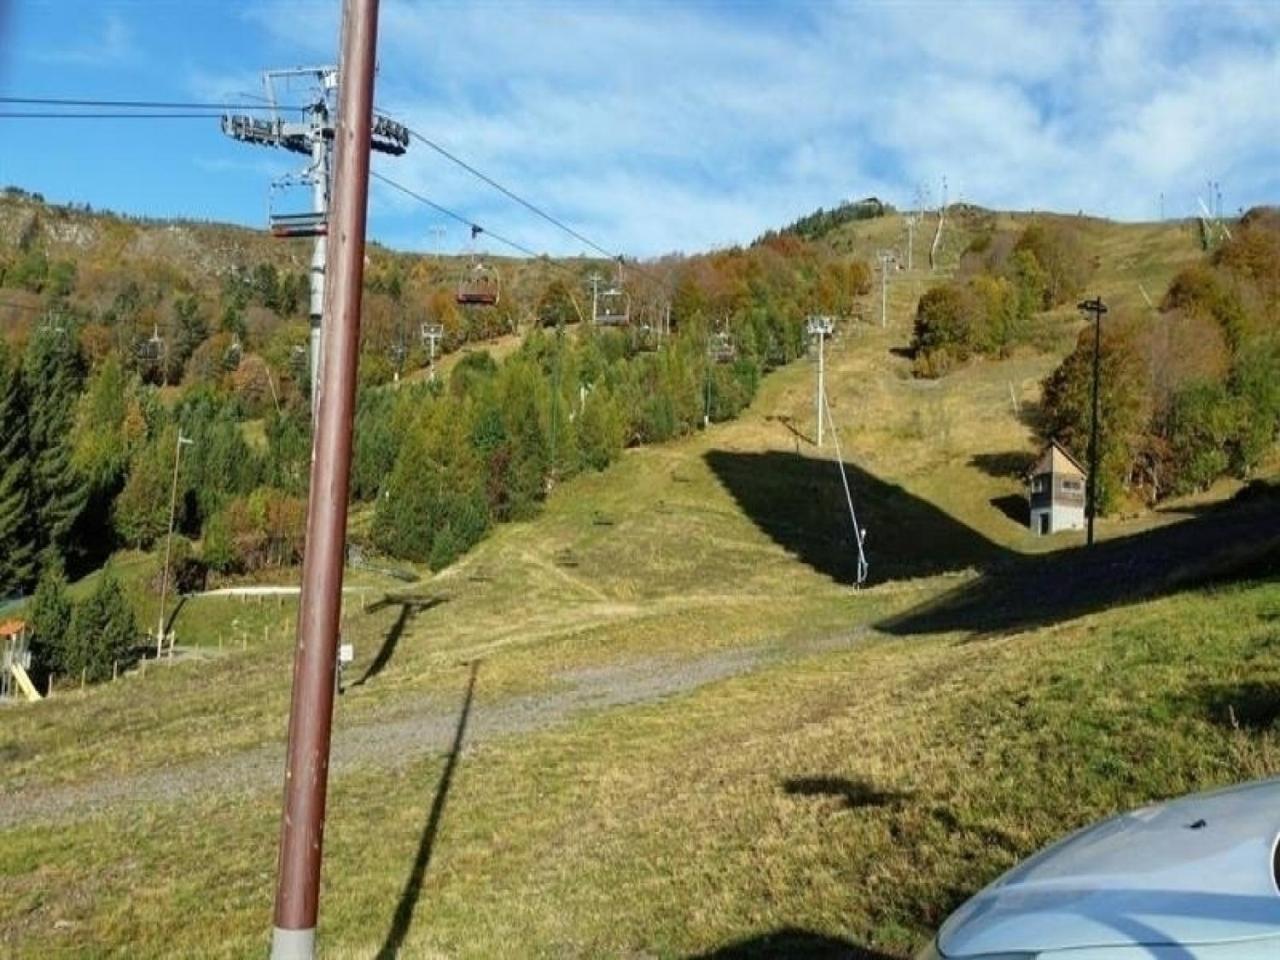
point(410, 607)
point(402, 919)
point(791, 943)
point(172, 618)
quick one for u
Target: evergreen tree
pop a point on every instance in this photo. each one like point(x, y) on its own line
point(189, 329)
point(53, 373)
point(17, 541)
point(103, 631)
point(141, 513)
point(109, 426)
point(51, 618)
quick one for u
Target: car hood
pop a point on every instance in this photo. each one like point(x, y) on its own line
point(1197, 870)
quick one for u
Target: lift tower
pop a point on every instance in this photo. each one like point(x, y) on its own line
point(821, 328)
point(312, 137)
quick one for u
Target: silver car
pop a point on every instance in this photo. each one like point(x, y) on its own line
point(1197, 878)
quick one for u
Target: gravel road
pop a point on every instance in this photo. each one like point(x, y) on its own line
point(421, 728)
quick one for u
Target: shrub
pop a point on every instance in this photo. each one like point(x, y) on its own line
point(1059, 251)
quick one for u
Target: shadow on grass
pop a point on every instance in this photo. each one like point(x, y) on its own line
point(854, 793)
point(173, 614)
point(790, 424)
point(1235, 541)
point(403, 917)
point(1010, 463)
point(1014, 507)
point(793, 944)
point(410, 607)
point(799, 502)
point(1253, 707)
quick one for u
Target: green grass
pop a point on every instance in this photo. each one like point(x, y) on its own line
point(670, 828)
point(857, 782)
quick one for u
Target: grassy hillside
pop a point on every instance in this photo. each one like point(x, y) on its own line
point(657, 721)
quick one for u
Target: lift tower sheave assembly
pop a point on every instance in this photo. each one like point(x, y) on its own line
point(311, 136)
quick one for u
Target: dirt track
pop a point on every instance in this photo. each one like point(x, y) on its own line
point(422, 728)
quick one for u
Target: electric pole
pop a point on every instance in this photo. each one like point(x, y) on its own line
point(1097, 308)
point(168, 543)
point(313, 137)
point(821, 328)
point(885, 257)
point(320, 607)
point(437, 232)
point(937, 234)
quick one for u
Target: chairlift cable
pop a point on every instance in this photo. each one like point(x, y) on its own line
point(143, 104)
point(848, 495)
point(521, 248)
point(100, 115)
point(532, 207)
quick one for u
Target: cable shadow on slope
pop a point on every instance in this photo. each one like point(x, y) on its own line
point(402, 919)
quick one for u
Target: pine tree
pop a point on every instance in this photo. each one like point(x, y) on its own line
point(53, 373)
point(103, 630)
point(51, 618)
point(17, 542)
point(142, 508)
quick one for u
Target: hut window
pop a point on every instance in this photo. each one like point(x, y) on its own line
point(1038, 485)
point(1073, 485)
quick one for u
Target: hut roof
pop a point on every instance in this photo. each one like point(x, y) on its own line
point(11, 628)
point(1055, 459)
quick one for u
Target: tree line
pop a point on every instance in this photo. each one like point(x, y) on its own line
point(1003, 281)
point(91, 419)
point(1190, 390)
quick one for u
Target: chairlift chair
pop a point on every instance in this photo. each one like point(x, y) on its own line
point(613, 305)
point(286, 224)
point(151, 350)
point(479, 284)
point(720, 347)
point(234, 353)
point(648, 337)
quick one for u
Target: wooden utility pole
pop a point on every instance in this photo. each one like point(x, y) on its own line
point(1097, 308)
point(168, 544)
point(315, 663)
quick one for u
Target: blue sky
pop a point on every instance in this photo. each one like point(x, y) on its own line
point(655, 126)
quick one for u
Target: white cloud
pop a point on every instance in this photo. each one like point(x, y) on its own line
point(651, 126)
point(113, 45)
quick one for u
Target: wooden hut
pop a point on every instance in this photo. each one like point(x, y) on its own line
point(1057, 491)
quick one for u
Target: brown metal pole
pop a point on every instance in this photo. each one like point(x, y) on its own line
point(311, 713)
